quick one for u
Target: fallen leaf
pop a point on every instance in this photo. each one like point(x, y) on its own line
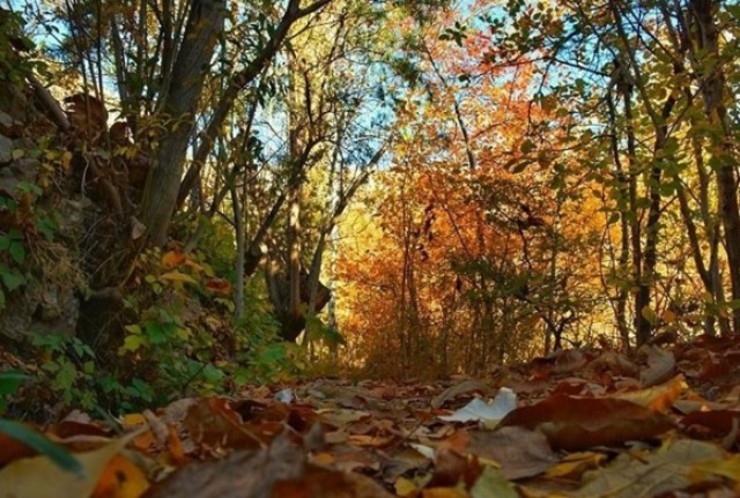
point(661, 366)
point(493, 484)
point(405, 487)
point(404, 461)
point(667, 470)
point(21, 478)
point(659, 398)
point(323, 483)
point(581, 423)
point(29, 437)
point(719, 421)
point(121, 479)
point(574, 465)
point(616, 362)
point(342, 417)
point(519, 452)
point(212, 424)
point(465, 387)
point(374, 441)
point(480, 411)
point(568, 360)
point(12, 449)
point(243, 474)
point(443, 493)
point(725, 467)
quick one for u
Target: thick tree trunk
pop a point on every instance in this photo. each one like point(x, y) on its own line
point(205, 23)
point(713, 93)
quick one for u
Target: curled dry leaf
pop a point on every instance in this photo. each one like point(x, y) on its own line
point(465, 387)
point(480, 411)
point(581, 423)
point(243, 474)
point(661, 366)
point(659, 398)
point(213, 424)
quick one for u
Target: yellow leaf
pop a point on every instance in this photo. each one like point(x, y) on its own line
point(134, 329)
point(405, 487)
point(133, 419)
point(659, 398)
point(575, 464)
point(121, 479)
point(443, 493)
point(176, 276)
point(729, 468)
point(372, 441)
point(323, 458)
point(67, 161)
point(39, 477)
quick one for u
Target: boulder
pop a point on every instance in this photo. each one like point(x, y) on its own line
point(9, 126)
point(24, 170)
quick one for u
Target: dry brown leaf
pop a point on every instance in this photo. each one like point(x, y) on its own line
point(581, 423)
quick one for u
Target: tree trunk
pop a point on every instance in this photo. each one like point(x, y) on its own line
point(240, 253)
point(204, 25)
point(713, 93)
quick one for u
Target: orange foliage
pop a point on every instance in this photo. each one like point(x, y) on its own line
point(457, 259)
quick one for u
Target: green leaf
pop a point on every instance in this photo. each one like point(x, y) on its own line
point(213, 374)
point(176, 276)
point(11, 278)
point(642, 203)
point(9, 381)
point(156, 333)
point(134, 329)
point(47, 227)
point(134, 342)
point(527, 146)
point(649, 314)
point(57, 454)
point(17, 252)
point(492, 484)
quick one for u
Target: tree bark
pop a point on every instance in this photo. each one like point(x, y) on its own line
point(713, 93)
point(205, 23)
point(238, 82)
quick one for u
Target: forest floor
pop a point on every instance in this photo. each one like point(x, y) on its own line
point(664, 421)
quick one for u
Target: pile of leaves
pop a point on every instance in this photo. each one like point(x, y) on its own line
point(660, 422)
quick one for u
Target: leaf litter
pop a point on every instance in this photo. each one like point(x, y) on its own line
point(577, 423)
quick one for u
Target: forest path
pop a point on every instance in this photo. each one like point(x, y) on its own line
point(577, 423)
